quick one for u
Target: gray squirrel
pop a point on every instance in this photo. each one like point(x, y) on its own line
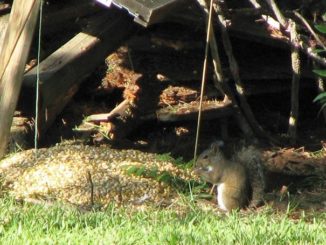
point(240, 181)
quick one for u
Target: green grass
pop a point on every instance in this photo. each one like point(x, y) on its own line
point(36, 224)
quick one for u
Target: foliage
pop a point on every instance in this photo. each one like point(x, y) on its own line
point(321, 98)
point(165, 177)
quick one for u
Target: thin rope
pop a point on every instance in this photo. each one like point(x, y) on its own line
point(38, 78)
point(203, 78)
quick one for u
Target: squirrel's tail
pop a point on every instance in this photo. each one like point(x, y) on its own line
point(251, 158)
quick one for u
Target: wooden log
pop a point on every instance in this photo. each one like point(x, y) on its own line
point(56, 20)
point(145, 100)
point(184, 112)
point(104, 117)
point(63, 71)
point(4, 19)
point(176, 113)
point(13, 58)
point(294, 162)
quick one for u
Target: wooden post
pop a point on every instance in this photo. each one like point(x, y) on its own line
point(13, 57)
point(4, 19)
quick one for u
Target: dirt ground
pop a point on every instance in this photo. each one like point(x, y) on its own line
point(169, 59)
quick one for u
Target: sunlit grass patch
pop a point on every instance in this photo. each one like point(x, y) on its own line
point(30, 224)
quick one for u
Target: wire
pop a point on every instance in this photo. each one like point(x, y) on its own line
point(38, 79)
point(203, 79)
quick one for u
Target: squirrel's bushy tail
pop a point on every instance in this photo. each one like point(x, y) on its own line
point(251, 158)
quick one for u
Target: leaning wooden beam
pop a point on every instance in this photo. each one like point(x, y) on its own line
point(258, 130)
point(56, 20)
point(13, 58)
point(4, 19)
point(64, 70)
point(221, 82)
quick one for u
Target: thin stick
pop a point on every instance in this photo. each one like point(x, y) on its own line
point(303, 42)
point(278, 13)
point(37, 100)
point(203, 78)
point(91, 185)
point(221, 84)
point(296, 65)
point(236, 76)
point(305, 22)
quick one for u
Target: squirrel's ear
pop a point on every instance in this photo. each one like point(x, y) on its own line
point(216, 145)
point(220, 143)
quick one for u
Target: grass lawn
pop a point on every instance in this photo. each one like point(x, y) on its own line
point(58, 224)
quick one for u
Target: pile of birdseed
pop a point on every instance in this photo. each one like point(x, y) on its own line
point(87, 175)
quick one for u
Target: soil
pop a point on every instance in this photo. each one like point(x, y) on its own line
point(170, 56)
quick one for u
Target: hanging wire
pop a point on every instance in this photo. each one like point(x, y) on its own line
point(203, 78)
point(38, 78)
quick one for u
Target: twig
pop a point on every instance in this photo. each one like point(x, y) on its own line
point(305, 22)
point(270, 21)
point(278, 14)
point(91, 184)
point(235, 73)
point(302, 41)
point(246, 12)
point(296, 67)
point(220, 82)
point(255, 4)
point(105, 117)
point(214, 52)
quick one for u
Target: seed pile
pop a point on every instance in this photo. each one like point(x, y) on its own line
point(87, 175)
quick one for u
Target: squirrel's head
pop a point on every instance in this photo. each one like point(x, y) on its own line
point(209, 163)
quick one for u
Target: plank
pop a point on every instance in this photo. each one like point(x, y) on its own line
point(13, 58)
point(63, 71)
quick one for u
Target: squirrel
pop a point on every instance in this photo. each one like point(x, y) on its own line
point(240, 181)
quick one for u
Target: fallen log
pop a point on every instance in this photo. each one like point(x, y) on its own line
point(146, 100)
point(294, 162)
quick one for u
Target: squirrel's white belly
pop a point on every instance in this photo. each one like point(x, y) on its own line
point(220, 190)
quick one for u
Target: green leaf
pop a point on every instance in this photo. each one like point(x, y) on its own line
point(320, 97)
point(321, 108)
point(140, 171)
point(319, 50)
point(321, 73)
point(153, 173)
point(132, 170)
point(164, 177)
point(321, 28)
